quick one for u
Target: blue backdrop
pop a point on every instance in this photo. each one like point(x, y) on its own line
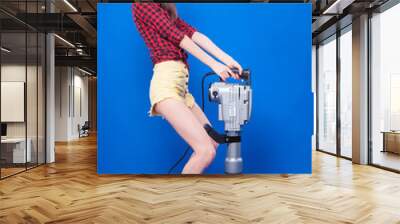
point(273, 40)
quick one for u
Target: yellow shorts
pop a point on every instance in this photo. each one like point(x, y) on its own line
point(170, 80)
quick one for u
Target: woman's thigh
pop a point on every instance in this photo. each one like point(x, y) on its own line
point(184, 122)
point(199, 114)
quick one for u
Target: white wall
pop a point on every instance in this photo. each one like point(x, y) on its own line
point(62, 82)
point(79, 117)
point(71, 102)
point(17, 73)
point(34, 126)
point(14, 73)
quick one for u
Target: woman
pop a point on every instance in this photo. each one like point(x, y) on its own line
point(167, 37)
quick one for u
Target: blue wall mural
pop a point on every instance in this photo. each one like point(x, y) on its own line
point(273, 40)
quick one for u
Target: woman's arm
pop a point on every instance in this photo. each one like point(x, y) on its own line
point(223, 71)
point(204, 42)
point(154, 16)
point(190, 31)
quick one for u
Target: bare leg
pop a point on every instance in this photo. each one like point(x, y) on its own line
point(191, 130)
point(202, 118)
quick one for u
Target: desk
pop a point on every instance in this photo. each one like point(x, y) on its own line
point(391, 141)
point(13, 150)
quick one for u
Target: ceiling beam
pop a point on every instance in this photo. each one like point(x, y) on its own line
point(86, 26)
point(78, 61)
point(337, 7)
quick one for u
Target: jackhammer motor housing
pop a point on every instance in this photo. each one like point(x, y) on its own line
point(234, 103)
point(234, 109)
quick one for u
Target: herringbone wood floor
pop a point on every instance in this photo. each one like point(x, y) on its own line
point(70, 191)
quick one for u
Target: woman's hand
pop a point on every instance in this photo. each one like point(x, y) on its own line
point(223, 71)
point(220, 69)
point(204, 42)
point(232, 64)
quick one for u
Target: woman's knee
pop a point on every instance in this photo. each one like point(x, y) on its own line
point(206, 153)
point(208, 156)
point(215, 144)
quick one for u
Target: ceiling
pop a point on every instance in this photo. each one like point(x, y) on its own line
point(75, 23)
point(329, 16)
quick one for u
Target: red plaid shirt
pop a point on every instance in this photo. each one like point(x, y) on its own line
point(161, 34)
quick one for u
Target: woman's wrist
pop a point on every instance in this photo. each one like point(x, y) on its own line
point(228, 60)
point(214, 64)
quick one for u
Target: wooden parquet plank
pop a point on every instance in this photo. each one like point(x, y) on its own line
point(70, 191)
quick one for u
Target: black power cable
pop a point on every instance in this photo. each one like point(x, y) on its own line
point(202, 108)
point(179, 160)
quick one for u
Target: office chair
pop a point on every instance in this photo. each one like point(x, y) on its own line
point(84, 130)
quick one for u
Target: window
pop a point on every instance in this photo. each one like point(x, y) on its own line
point(327, 95)
point(22, 88)
point(346, 74)
point(385, 89)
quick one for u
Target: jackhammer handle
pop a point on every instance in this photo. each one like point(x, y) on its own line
point(221, 139)
point(245, 73)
